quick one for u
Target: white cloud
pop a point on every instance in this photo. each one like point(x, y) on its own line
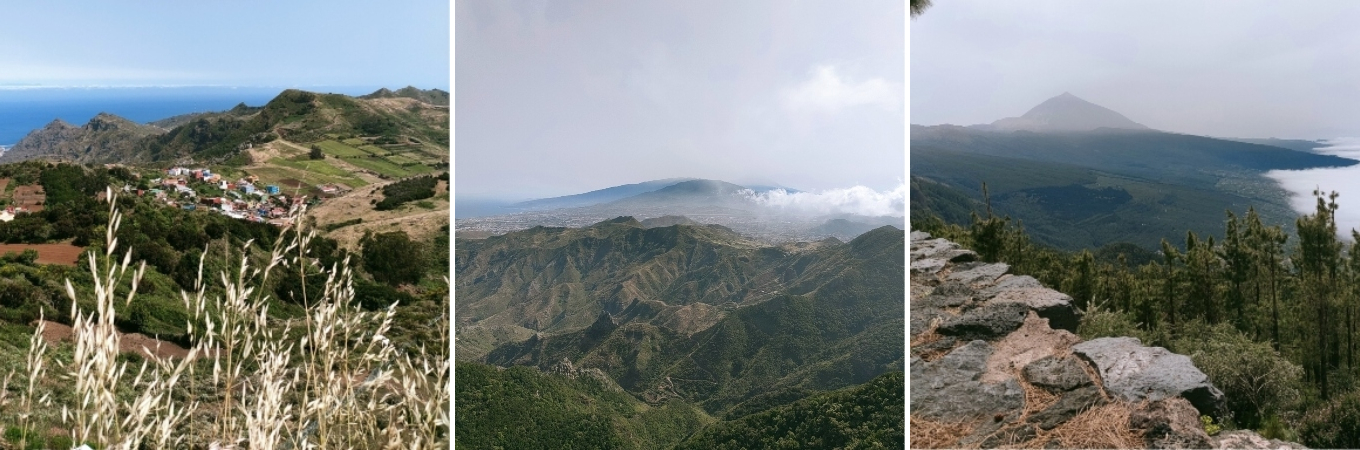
point(828, 91)
point(1344, 180)
point(853, 200)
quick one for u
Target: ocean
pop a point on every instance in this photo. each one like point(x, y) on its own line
point(24, 109)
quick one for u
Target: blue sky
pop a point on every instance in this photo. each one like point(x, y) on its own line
point(226, 43)
point(563, 97)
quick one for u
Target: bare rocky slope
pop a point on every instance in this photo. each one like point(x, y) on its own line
point(59, 140)
point(995, 363)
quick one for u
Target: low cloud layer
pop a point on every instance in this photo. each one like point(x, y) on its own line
point(827, 91)
point(853, 200)
point(1344, 180)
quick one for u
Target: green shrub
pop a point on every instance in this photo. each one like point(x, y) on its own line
point(1098, 323)
point(1257, 381)
point(401, 192)
point(1274, 428)
point(1210, 427)
point(1336, 425)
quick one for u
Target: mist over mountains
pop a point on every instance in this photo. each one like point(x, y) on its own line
point(761, 212)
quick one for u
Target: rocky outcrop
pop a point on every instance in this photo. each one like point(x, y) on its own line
point(100, 140)
point(951, 389)
point(1134, 373)
point(1247, 439)
point(1169, 423)
point(994, 358)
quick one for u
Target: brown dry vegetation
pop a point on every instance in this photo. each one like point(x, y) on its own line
point(1099, 427)
point(931, 434)
point(421, 224)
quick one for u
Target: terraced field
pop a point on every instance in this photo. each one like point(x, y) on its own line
point(340, 150)
point(388, 168)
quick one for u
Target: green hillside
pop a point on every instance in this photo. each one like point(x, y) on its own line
point(1087, 190)
point(521, 407)
point(864, 416)
point(403, 122)
point(690, 313)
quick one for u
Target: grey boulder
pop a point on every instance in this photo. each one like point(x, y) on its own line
point(1134, 372)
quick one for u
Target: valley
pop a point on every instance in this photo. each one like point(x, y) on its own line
point(1076, 188)
point(690, 318)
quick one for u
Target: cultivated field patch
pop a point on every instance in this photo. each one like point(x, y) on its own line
point(65, 254)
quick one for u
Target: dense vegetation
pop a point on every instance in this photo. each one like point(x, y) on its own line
point(408, 190)
point(172, 242)
point(864, 416)
point(686, 316)
point(521, 407)
point(1271, 316)
point(82, 389)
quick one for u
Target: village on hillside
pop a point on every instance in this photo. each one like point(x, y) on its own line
point(243, 199)
point(190, 189)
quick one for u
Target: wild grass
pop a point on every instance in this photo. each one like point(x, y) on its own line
point(328, 380)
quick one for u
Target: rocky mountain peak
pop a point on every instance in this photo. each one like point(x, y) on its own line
point(105, 121)
point(58, 124)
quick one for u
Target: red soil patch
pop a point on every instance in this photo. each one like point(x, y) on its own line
point(3, 183)
point(65, 254)
point(31, 197)
point(54, 333)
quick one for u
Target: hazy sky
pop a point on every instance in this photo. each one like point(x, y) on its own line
point(562, 97)
point(232, 43)
point(1240, 68)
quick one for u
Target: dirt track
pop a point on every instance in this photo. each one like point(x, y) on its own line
point(54, 333)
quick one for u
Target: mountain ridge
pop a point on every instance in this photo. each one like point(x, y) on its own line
point(293, 114)
point(633, 301)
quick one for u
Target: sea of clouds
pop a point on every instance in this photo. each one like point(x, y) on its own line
point(852, 200)
point(1344, 180)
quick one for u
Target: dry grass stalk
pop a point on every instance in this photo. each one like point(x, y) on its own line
point(932, 434)
point(275, 394)
point(1036, 398)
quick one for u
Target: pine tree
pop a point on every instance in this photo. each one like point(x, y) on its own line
point(1237, 258)
point(1169, 277)
point(1318, 260)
